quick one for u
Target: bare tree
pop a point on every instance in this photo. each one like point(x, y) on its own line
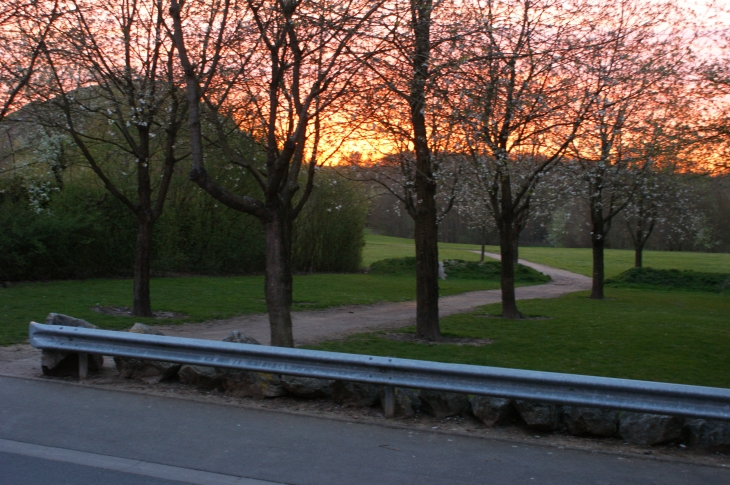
point(111, 87)
point(24, 28)
point(275, 68)
point(418, 46)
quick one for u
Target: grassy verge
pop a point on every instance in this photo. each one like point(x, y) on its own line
point(670, 336)
point(671, 279)
point(577, 260)
point(201, 298)
point(386, 247)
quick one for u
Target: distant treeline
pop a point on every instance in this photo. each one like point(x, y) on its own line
point(565, 222)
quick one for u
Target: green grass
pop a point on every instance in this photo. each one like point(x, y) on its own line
point(201, 298)
point(578, 260)
point(386, 247)
point(671, 279)
point(670, 336)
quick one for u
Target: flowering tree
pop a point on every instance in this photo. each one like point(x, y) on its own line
point(524, 97)
point(276, 69)
point(637, 73)
point(110, 86)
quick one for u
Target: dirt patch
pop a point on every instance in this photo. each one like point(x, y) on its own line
point(411, 338)
point(125, 311)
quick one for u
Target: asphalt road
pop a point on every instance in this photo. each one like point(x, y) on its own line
point(55, 433)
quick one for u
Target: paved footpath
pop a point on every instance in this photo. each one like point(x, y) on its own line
point(60, 434)
point(333, 323)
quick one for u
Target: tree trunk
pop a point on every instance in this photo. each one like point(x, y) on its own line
point(424, 208)
point(516, 247)
point(278, 281)
point(427, 270)
point(142, 257)
point(638, 256)
point(597, 242)
point(506, 248)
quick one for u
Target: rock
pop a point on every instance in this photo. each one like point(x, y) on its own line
point(58, 363)
point(355, 394)
point(151, 371)
point(407, 402)
point(443, 404)
point(540, 416)
point(713, 435)
point(240, 338)
point(492, 410)
point(308, 387)
point(144, 329)
point(66, 321)
point(649, 429)
point(259, 385)
point(590, 421)
point(200, 376)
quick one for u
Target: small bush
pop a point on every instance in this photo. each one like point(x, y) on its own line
point(394, 266)
point(459, 269)
point(671, 279)
point(490, 270)
point(329, 234)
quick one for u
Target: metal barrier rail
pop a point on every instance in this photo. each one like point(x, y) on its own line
point(571, 389)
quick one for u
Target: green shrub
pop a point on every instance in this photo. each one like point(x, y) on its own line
point(69, 239)
point(394, 266)
point(83, 231)
point(490, 270)
point(671, 279)
point(329, 234)
point(459, 269)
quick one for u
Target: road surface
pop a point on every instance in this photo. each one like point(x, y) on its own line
point(53, 433)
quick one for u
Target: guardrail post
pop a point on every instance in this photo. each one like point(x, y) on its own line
point(83, 365)
point(389, 402)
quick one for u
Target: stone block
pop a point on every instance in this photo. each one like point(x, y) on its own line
point(539, 416)
point(443, 404)
point(590, 421)
point(649, 429)
point(58, 363)
point(307, 387)
point(355, 394)
point(710, 434)
point(492, 411)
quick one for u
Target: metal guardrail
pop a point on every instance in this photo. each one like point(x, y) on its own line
point(571, 389)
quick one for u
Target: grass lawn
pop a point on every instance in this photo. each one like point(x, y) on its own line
point(670, 336)
point(385, 247)
point(201, 298)
point(577, 260)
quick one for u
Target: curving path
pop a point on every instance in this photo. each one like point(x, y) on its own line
point(332, 323)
